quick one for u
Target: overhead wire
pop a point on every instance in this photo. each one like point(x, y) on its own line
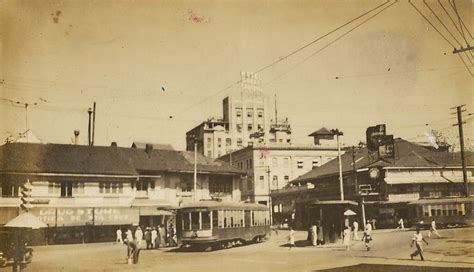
point(454, 24)
point(445, 27)
point(284, 57)
point(327, 45)
point(461, 23)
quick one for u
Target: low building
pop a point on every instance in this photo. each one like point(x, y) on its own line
point(385, 186)
point(87, 192)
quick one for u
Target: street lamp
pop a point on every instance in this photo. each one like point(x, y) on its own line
point(341, 184)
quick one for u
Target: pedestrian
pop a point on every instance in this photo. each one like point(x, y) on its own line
point(291, 238)
point(433, 229)
point(417, 238)
point(139, 236)
point(373, 223)
point(347, 237)
point(314, 235)
point(320, 234)
point(355, 224)
point(119, 236)
point(401, 224)
point(162, 234)
point(129, 235)
point(133, 250)
point(154, 235)
point(309, 234)
point(148, 238)
point(367, 235)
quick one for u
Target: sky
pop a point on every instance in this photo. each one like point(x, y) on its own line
point(158, 68)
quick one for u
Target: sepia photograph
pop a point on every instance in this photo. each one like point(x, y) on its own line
point(236, 135)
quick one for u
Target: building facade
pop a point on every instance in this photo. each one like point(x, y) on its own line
point(272, 167)
point(376, 189)
point(87, 192)
point(246, 120)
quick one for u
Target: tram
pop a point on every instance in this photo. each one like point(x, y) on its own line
point(456, 211)
point(216, 225)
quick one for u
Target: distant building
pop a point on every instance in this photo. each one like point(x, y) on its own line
point(78, 188)
point(272, 167)
point(246, 120)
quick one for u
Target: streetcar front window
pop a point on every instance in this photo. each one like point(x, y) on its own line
point(215, 218)
point(195, 220)
point(206, 220)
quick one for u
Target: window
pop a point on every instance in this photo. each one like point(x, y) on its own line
point(215, 219)
point(435, 194)
point(287, 179)
point(315, 163)
point(186, 221)
point(66, 189)
point(9, 188)
point(220, 187)
point(142, 185)
point(194, 220)
point(275, 182)
point(260, 114)
point(239, 113)
point(209, 142)
point(239, 127)
point(249, 127)
point(299, 164)
point(111, 187)
point(259, 127)
point(239, 142)
point(186, 184)
point(206, 220)
point(262, 182)
point(228, 141)
point(219, 142)
point(286, 162)
point(249, 113)
point(250, 163)
point(249, 184)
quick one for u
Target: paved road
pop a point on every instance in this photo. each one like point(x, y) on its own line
point(454, 249)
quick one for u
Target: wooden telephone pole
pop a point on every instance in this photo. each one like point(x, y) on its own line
point(459, 111)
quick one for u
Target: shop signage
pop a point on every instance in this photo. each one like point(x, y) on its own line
point(86, 216)
point(403, 197)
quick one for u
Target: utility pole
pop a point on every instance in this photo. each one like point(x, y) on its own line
point(93, 125)
point(459, 111)
point(89, 111)
point(354, 169)
point(341, 184)
point(269, 196)
point(195, 169)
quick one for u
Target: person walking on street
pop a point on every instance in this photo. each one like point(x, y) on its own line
point(154, 236)
point(133, 250)
point(314, 235)
point(367, 235)
point(291, 238)
point(347, 237)
point(129, 235)
point(356, 230)
point(400, 224)
point(433, 229)
point(119, 236)
point(417, 239)
point(320, 234)
point(139, 236)
point(162, 234)
point(373, 223)
point(148, 238)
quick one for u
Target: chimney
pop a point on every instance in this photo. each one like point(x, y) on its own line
point(148, 148)
point(76, 137)
point(114, 144)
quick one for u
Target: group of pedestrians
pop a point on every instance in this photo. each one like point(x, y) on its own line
point(154, 237)
point(315, 234)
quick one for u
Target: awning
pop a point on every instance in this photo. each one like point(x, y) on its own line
point(442, 200)
point(349, 212)
point(26, 220)
point(153, 211)
point(423, 179)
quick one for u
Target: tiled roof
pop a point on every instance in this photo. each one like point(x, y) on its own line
point(80, 159)
point(407, 154)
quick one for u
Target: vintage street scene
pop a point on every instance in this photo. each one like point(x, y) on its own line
point(266, 135)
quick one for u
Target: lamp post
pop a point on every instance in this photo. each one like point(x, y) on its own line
point(341, 184)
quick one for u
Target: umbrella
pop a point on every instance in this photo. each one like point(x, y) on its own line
point(349, 212)
point(26, 220)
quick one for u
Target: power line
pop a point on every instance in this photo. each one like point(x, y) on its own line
point(455, 26)
point(461, 22)
point(429, 22)
point(467, 66)
point(283, 58)
point(327, 45)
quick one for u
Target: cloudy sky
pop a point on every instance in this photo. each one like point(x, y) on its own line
point(146, 61)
